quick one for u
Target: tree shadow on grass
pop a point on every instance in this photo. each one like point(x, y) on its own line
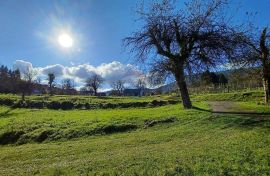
point(233, 112)
point(237, 119)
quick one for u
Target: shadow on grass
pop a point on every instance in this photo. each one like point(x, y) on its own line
point(237, 119)
point(233, 112)
point(240, 121)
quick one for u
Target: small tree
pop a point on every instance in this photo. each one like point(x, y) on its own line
point(26, 84)
point(51, 78)
point(118, 87)
point(187, 40)
point(68, 86)
point(94, 83)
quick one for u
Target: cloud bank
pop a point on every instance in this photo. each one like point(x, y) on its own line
point(110, 72)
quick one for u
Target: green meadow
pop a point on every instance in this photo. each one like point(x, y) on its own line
point(162, 140)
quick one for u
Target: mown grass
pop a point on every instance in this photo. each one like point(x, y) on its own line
point(166, 140)
point(198, 143)
point(254, 96)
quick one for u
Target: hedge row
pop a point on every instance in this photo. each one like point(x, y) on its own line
point(68, 105)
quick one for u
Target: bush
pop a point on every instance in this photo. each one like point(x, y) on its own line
point(20, 104)
point(54, 105)
point(35, 104)
point(79, 106)
point(67, 105)
point(87, 106)
point(158, 103)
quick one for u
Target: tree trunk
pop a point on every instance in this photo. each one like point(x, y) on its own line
point(51, 90)
point(266, 85)
point(181, 82)
point(23, 96)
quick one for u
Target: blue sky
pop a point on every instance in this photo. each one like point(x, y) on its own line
point(98, 26)
point(30, 28)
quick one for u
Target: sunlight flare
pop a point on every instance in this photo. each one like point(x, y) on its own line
point(65, 40)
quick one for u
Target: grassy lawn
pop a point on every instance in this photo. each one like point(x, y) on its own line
point(121, 141)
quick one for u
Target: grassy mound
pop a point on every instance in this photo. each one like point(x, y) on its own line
point(90, 103)
point(20, 126)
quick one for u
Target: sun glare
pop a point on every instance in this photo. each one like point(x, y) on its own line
point(65, 40)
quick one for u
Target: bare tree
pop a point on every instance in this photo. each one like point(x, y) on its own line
point(83, 90)
point(51, 78)
point(94, 83)
point(26, 84)
point(68, 86)
point(140, 85)
point(258, 54)
point(118, 87)
point(186, 40)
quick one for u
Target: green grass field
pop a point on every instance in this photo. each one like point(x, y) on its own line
point(165, 140)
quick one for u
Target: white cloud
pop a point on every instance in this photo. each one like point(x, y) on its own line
point(116, 70)
point(22, 65)
point(57, 69)
point(109, 71)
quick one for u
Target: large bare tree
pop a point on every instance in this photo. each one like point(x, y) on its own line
point(185, 40)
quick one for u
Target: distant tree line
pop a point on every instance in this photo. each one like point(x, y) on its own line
point(213, 78)
point(227, 81)
point(9, 80)
point(12, 81)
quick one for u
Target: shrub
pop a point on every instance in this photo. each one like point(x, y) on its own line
point(158, 103)
point(79, 106)
point(54, 105)
point(67, 105)
point(87, 106)
point(20, 104)
point(35, 104)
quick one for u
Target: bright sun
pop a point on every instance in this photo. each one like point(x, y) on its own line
point(65, 40)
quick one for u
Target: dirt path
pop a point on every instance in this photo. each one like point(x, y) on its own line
point(227, 107)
